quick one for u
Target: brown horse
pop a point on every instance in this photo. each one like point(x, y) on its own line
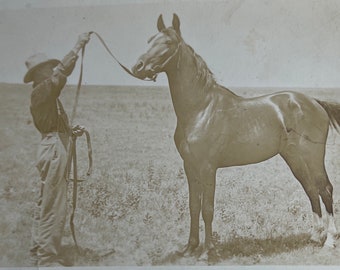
point(217, 128)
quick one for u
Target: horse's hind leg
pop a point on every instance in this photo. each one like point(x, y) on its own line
point(301, 170)
point(310, 171)
point(326, 194)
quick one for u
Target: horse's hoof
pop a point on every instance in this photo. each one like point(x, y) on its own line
point(315, 240)
point(204, 257)
point(326, 249)
point(187, 251)
point(330, 245)
point(330, 241)
point(316, 235)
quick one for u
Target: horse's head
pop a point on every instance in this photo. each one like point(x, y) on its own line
point(164, 48)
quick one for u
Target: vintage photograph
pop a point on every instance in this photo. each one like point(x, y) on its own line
point(177, 134)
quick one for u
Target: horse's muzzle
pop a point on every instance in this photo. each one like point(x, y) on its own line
point(141, 71)
point(138, 70)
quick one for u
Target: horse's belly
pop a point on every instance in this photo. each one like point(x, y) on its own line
point(252, 147)
point(243, 154)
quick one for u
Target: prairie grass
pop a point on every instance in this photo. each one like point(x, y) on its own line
point(133, 210)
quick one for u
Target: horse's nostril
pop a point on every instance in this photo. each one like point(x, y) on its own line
point(140, 66)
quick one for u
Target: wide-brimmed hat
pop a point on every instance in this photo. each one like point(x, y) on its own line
point(35, 61)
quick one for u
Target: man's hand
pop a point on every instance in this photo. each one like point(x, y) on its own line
point(83, 39)
point(78, 130)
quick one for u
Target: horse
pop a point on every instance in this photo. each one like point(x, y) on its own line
point(217, 128)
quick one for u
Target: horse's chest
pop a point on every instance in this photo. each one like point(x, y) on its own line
point(197, 140)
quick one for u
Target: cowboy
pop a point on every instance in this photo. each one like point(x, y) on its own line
point(49, 77)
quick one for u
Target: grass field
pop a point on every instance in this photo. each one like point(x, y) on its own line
point(133, 210)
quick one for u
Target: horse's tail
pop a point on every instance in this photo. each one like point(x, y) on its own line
point(333, 111)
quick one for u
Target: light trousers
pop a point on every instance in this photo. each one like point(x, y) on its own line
point(50, 210)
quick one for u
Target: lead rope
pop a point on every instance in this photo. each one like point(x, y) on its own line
point(115, 58)
point(72, 155)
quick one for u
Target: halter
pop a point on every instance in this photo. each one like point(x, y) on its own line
point(169, 58)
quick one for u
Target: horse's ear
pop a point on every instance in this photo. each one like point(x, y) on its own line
point(176, 23)
point(160, 23)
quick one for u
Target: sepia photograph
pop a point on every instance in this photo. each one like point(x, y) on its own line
point(170, 134)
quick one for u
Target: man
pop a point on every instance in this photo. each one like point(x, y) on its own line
point(49, 77)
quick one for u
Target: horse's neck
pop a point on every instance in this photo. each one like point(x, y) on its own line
point(191, 84)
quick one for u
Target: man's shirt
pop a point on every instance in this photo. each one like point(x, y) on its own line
point(44, 98)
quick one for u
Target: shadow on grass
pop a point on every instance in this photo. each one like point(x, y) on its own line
point(242, 246)
point(84, 256)
point(246, 247)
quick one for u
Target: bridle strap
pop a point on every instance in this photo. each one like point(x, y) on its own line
point(170, 57)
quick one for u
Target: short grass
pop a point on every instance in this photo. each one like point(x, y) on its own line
point(133, 210)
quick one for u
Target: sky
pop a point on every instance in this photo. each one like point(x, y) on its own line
point(246, 43)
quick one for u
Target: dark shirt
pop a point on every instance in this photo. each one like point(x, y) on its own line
point(46, 109)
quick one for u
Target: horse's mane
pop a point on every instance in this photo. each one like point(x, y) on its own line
point(204, 74)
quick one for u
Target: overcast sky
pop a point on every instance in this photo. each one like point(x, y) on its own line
point(283, 43)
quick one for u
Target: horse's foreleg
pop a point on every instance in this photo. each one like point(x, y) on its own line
point(209, 179)
point(195, 195)
point(208, 210)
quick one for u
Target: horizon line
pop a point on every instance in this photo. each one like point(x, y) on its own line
point(165, 85)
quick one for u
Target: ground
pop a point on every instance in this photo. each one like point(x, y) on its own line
point(133, 209)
